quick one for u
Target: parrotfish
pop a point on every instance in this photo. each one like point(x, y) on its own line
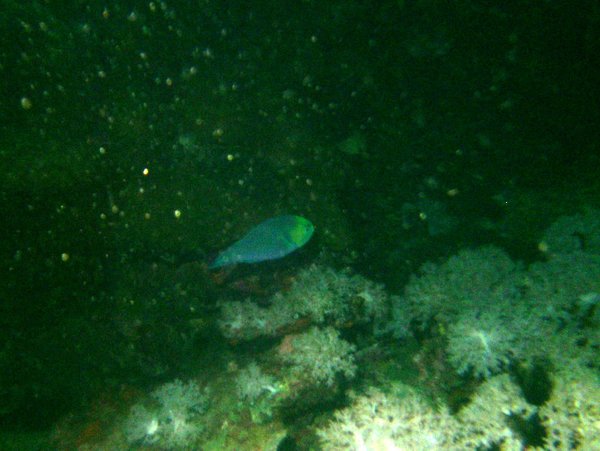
point(272, 239)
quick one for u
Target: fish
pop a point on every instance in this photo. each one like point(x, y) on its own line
point(270, 240)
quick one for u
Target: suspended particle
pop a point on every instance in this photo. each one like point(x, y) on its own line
point(26, 103)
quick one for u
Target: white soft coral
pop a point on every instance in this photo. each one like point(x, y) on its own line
point(172, 421)
point(481, 344)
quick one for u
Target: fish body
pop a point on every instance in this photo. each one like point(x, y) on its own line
point(272, 239)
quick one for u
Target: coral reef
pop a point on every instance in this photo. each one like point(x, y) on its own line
point(554, 287)
point(172, 421)
point(493, 418)
point(318, 356)
point(400, 419)
point(571, 416)
point(578, 232)
point(252, 383)
point(488, 420)
point(480, 344)
point(257, 391)
point(472, 279)
point(523, 342)
point(319, 295)
point(494, 312)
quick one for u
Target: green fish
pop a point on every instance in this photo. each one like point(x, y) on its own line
point(270, 240)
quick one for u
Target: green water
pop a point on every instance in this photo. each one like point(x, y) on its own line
point(139, 139)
